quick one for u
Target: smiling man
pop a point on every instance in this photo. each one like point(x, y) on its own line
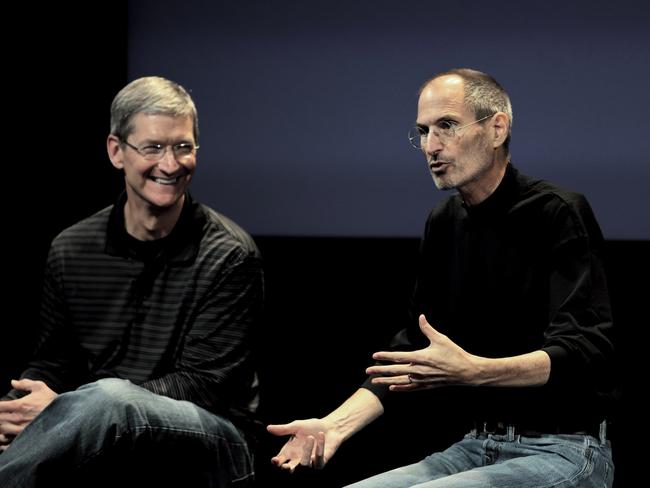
point(510, 318)
point(143, 362)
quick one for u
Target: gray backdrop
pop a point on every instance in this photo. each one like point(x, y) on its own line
point(304, 106)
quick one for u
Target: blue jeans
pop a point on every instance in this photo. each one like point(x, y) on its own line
point(507, 461)
point(113, 433)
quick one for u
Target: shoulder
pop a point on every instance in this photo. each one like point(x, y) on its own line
point(557, 206)
point(86, 233)
point(224, 235)
point(532, 188)
point(80, 245)
point(550, 196)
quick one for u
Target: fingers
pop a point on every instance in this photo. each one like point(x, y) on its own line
point(319, 453)
point(277, 460)
point(307, 449)
point(402, 374)
point(394, 357)
point(410, 381)
point(412, 357)
point(401, 380)
point(308, 452)
point(284, 458)
point(403, 357)
point(391, 370)
point(11, 430)
point(313, 454)
point(5, 441)
point(282, 462)
point(389, 378)
point(7, 407)
point(409, 387)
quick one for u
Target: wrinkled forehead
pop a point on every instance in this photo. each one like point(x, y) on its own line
point(442, 97)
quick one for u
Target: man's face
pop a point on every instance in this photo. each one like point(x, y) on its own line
point(158, 184)
point(462, 160)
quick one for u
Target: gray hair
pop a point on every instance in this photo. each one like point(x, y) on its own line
point(151, 95)
point(483, 95)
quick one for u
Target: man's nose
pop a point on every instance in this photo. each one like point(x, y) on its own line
point(168, 162)
point(432, 144)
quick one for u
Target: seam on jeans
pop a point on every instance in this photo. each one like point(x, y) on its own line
point(197, 433)
point(585, 470)
point(143, 428)
point(215, 438)
point(247, 477)
point(606, 477)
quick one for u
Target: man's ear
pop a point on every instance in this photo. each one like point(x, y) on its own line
point(501, 124)
point(115, 151)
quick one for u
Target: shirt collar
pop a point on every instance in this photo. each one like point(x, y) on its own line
point(180, 246)
point(501, 198)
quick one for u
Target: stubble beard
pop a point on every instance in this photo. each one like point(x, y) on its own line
point(482, 156)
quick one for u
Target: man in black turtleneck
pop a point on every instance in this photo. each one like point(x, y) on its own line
point(510, 318)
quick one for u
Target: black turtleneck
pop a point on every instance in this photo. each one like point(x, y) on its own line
point(519, 272)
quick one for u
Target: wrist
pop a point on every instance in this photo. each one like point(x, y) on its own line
point(354, 414)
point(481, 371)
point(340, 426)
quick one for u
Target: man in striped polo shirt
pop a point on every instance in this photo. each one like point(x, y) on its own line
point(143, 359)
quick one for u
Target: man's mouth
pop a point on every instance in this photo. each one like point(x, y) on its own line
point(437, 165)
point(165, 181)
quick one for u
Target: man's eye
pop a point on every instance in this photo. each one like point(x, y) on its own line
point(183, 148)
point(446, 124)
point(151, 149)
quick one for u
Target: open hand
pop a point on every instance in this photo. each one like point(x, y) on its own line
point(312, 443)
point(442, 362)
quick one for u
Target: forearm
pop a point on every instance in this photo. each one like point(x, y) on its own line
point(531, 369)
point(215, 366)
point(362, 408)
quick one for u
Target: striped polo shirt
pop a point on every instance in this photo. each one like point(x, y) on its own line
point(175, 315)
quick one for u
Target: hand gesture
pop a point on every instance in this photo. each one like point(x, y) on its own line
point(442, 362)
point(313, 442)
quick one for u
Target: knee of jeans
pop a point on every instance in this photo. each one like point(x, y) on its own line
point(112, 395)
point(108, 389)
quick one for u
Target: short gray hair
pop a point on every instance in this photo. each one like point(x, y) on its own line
point(151, 95)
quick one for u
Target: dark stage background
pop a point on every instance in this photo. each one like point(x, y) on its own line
point(332, 299)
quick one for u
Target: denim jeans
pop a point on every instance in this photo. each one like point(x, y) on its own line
point(507, 461)
point(113, 433)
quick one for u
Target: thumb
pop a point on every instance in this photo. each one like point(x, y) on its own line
point(24, 384)
point(426, 328)
point(281, 429)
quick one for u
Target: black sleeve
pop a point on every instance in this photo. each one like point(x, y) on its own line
point(578, 337)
